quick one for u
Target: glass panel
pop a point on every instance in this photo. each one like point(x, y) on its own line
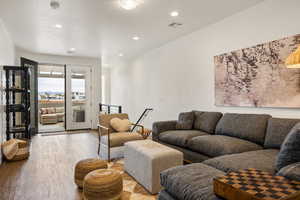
point(51, 98)
point(78, 84)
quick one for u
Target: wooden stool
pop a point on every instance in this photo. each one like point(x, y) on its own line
point(103, 184)
point(84, 167)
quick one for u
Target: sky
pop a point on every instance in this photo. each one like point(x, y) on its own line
point(58, 85)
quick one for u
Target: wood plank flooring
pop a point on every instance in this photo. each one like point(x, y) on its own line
point(48, 173)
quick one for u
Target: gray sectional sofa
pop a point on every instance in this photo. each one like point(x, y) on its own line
point(217, 144)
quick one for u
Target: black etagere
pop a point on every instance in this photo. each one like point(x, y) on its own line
point(17, 101)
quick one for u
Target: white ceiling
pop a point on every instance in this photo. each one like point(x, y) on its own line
point(101, 28)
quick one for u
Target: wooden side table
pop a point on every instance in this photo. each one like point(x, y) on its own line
point(253, 184)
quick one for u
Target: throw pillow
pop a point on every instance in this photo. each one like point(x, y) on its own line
point(120, 125)
point(206, 121)
point(290, 149)
point(51, 110)
point(44, 111)
point(185, 121)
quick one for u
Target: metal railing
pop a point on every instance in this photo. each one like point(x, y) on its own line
point(109, 109)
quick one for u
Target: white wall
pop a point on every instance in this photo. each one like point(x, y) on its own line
point(179, 76)
point(7, 51)
point(106, 87)
point(94, 63)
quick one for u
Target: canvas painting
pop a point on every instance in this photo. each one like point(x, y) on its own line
point(258, 77)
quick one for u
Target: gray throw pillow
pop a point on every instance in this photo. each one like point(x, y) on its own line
point(185, 121)
point(290, 149)
point(206, 121)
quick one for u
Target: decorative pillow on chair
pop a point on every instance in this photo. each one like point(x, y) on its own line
point(185, 121)
point(120, 125)
point(290, 149)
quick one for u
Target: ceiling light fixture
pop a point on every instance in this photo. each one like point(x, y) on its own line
point(174, 14)
point(121, 55)
point(129, 4)
point(136, 38)
point(58, 26)
point(71, 50)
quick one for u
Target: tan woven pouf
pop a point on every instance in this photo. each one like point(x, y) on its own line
point(103, 184)
point(15, 149)
point(84, 167)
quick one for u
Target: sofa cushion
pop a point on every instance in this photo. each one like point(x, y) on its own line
point(291, 171)
point(277, 131)
point(179, 137)
point(206, 121)
point(250, 127)
point(290, 149)
point(190, 182)
point(119, 139)
point(263, 160)
point(218, 145)
point(60, 110)
point(188, 155)
point(51, 110)
point(185, 121)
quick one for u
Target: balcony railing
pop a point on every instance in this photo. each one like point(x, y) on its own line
point(110, 109)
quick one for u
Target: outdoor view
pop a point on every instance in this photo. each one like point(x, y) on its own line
point(51, 98)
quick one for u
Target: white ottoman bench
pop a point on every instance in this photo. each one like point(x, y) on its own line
point(145, 159)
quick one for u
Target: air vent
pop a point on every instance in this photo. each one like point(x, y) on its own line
point(54, 4)
point(175, 25)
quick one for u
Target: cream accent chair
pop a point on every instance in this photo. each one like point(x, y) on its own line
point(110, 137)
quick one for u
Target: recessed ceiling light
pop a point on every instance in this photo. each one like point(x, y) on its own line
point(129, 4)
point(71, 50)
point(121, 55)
point(174, 14)
point(136, 38)
point(58, 26)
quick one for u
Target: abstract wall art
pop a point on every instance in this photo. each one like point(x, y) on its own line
point(258, 77)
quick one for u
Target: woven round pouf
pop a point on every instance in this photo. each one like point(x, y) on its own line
point(84, 167)
point(15, 149)
point(103, 184)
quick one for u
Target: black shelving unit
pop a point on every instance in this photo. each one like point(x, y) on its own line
point(17, 84)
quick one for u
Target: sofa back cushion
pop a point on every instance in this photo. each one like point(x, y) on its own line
point(250, 127)
point(277, 131)
point(290, 149)
point(59, 109)
point(185, 121)
point(206, 121)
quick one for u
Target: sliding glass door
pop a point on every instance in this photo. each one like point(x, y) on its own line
point(78, 97)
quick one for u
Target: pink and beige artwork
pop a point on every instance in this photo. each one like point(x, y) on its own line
point(258, 77)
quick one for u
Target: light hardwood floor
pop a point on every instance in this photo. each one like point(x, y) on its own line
point(48, 173)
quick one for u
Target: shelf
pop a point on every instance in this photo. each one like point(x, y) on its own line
point(17, 130)
point(16, 108)
point(18, 90)
point(14, 68)
point(11, 89)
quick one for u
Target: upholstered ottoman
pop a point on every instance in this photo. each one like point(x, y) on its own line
point(103, 184)
point(145, 159)
point(86, 166)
